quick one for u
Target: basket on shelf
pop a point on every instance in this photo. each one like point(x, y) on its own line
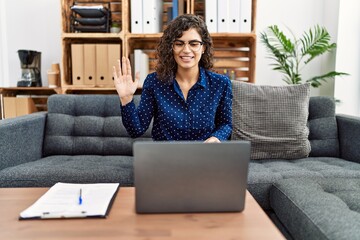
point(93, 18)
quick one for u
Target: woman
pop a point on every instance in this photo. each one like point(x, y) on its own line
point(186, 100)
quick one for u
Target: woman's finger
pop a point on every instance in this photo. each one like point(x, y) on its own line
point(114, 73)
point(128, 66)
point(124, 68)
point(137, 80)
point(119, 68)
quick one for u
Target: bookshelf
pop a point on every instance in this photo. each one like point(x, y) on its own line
point(233, 51)
point(24, 100)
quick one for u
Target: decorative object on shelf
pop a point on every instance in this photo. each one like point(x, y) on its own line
point(292, 55)
point(115, 27)
point(30, 63)
point(90, 18)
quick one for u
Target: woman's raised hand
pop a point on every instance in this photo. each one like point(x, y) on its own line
point(124, 83)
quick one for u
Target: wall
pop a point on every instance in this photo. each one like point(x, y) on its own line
point(34, 25)
point(3, 52)
point(347, 88)
point(298, 16)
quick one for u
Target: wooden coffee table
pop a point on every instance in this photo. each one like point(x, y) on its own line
point(123, 223)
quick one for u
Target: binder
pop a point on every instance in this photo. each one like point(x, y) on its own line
point(77, 63)
point(136, 16)
point(211, 15)
point(152, 16)
point(18, 106)
point(245, 16)
point(89, 64)
point(223, 16)
point(234, 15)
point(144, 68)
point(9, 105)
point(175, 8)
point(70, 200)
point(113, 57)
point(25, 105)
point(141, 64)
point(102, 72)
point(169, 15)
point(181, 5)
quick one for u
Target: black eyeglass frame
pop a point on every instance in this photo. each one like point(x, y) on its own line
point(189, 43)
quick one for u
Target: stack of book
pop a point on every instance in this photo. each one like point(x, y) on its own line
point(90, 18)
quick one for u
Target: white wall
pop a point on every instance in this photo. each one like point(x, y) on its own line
point(4, 73)
point(33, 25)
point(36, 25)
point(298, 16)
point(347, 89)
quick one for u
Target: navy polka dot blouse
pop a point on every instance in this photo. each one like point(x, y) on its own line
point(206, 112)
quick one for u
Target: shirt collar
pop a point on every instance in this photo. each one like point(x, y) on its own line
point(202, 78)
point(202, 81)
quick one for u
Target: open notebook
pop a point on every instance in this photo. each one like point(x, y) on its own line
point(68, 200)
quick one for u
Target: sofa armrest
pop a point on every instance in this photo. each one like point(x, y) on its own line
point(349, 137)
point(21, 139)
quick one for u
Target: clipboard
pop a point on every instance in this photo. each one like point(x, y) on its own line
point(70, 200)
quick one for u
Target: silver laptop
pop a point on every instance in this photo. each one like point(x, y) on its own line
point(175, 177)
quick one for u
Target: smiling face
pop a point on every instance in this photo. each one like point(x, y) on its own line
point(186, 50)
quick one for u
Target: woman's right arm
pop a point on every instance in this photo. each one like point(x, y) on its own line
point(135, 120)
point(124, 83)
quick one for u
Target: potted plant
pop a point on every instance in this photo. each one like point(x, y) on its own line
point(291, 55)
point(115, 27)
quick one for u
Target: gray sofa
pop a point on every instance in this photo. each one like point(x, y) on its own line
point(81, 139)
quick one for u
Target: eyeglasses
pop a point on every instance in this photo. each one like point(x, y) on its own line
point(194, 45)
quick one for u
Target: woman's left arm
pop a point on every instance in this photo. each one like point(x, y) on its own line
point(223, 116)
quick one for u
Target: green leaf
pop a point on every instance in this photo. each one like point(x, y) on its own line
point(316, 81)
point(316, 42)
point(278, 46)
point(290, 56)
point(281, 41)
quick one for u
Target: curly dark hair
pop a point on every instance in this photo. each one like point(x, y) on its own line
point(166, 66)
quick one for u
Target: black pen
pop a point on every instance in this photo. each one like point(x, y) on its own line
point(80, 197)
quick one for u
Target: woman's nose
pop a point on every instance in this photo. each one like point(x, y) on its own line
point(187, 48)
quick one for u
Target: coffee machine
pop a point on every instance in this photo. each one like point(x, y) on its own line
point(30, 63)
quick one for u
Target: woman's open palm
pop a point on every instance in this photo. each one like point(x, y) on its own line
point(124, 84)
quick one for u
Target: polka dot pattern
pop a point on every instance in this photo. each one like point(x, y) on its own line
point(206, 112)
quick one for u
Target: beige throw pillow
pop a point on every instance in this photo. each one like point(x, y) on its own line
point(273, 118)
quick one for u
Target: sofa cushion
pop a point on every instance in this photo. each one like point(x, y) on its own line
point(86, 124)
point(263, 173)
point(273, 118)
point(47, 171)
point(323, 128)
point(323, 209)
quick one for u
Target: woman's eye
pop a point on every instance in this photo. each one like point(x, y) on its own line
point(195, 44)
point(179, 44)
